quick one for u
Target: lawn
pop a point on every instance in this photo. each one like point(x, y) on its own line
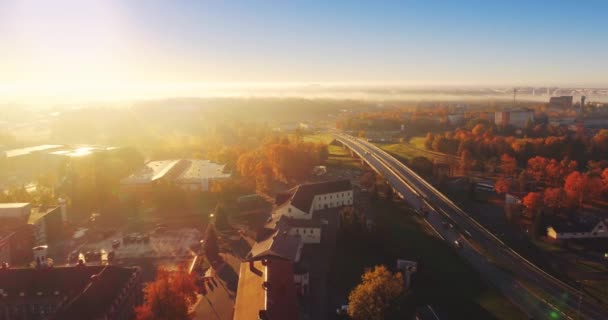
point(443, 279)
point(338, 156)
point(401, 151)
point(418, 142)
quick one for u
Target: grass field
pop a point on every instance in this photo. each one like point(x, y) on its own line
point(418, 142)
point(443, 279)
point(401, 151)
point(338, 156)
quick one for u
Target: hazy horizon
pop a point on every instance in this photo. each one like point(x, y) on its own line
point(68, 50)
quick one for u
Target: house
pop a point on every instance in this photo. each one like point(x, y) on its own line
point(588, 228)
point(279, 245)
point(266, 291)
point(282, 245)
point(302, 201)
point(70, 293)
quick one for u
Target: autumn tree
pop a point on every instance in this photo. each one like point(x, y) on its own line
point(508, 164)
point(580, 187)
point(168, 297)
point(554, 198)
point(536, 168)
point(533, 201)
point(376, 297)
point(502, 186)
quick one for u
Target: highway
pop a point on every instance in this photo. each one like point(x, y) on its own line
point(537, 293)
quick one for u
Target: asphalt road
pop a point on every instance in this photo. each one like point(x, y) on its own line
point(535, 292)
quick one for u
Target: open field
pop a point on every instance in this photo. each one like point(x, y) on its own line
point(402, 151)
point(418, 142)
point(338, 156)
point(443, 279)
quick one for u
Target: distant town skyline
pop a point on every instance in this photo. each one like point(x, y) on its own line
point(69, 50)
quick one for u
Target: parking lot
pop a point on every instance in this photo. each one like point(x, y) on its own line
point(168, 244)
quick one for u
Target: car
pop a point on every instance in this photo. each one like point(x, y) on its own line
point(342, 310)
point(451, 226)
point(457, 244)
point(115, 243)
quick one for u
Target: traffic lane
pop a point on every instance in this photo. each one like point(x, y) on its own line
point(379, 165)
point(507, 256)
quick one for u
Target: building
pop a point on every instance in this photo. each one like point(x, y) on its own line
point(155, 171)
point(66, 293)
point(47, 223)
point(562, 102)
point(282, 245)
point(23, 227)
point(456, 119)
point(15, 210)
point(190, 175)
point(295, 210)
point(16, 244)
point(20, 166)
point(279, 245)
point(302, 201)
point(581, 229)
point(518, 119)
point(266, 291)
point(199, 175)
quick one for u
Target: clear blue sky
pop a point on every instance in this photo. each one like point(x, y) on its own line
point(409, 42)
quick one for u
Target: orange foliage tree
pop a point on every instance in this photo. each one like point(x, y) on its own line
point(533, 201)
point(508, 165)
point(169, 296)
point(502, 185)
point(554, 198)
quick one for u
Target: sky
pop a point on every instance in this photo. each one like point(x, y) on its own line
point(95, 48)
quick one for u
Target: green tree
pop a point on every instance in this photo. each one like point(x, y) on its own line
point(376, 297)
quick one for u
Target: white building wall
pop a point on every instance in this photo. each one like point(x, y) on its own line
point(308, 235)
point(293, 212)
point(332, 200)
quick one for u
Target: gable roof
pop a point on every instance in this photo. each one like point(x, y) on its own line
point(280, 245)
point(304, 193)
point(579, 225)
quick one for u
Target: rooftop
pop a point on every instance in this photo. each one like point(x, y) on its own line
point(303, 194)
point(152, 171)
point(584, 224)
point(13, 205)
point(39, 213)
point(80, 151)
point(202, 169)
point(28, 150)
point(280, 245)
point(266, 291)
